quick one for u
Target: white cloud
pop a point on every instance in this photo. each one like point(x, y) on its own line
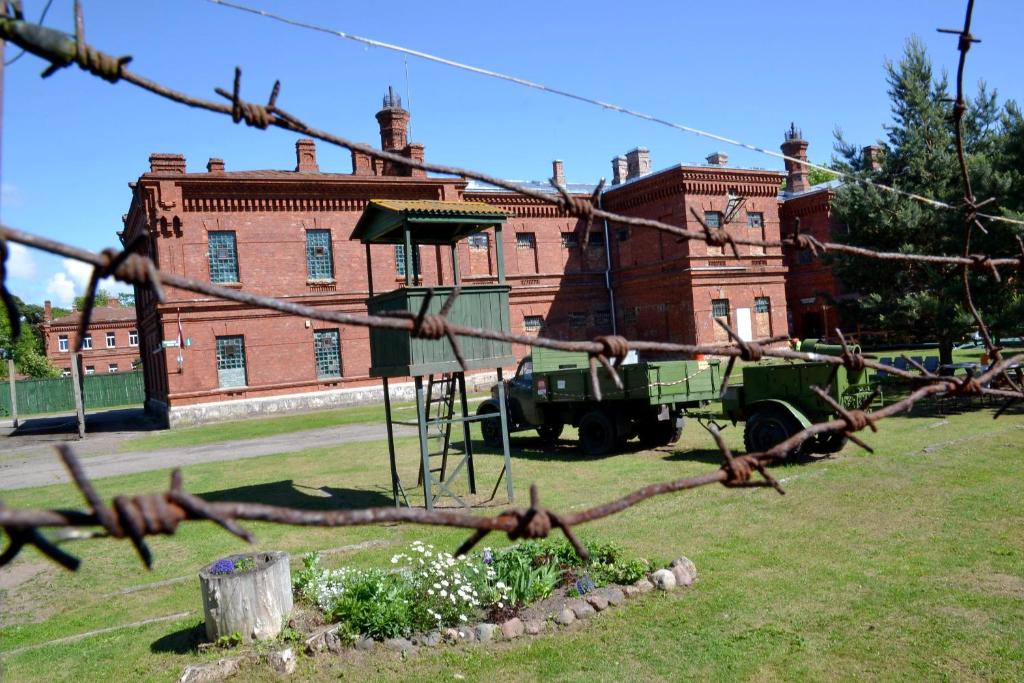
point(61, 289)
point(20, 263)
point(78, 272)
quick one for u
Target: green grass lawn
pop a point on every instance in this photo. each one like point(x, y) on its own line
point(904, 564)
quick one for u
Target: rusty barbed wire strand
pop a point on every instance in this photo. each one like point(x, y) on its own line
point(137, 517)
point(62, 51)
point(595, 102)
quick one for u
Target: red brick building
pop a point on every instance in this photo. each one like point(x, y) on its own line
point(287, 234)
point(110, 345)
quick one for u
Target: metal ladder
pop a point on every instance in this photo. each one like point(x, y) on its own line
point(440, 407)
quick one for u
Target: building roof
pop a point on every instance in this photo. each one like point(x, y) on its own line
point(430, 222)
point(833, 184)
point(100, 315)
point(537, 185)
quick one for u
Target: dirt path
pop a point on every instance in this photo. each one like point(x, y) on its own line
point(36, 464)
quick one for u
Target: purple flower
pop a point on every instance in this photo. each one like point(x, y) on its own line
point(222, 567)
point(584, 585)
point(488, 556)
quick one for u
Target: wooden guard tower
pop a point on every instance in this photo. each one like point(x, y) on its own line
point(396, 353)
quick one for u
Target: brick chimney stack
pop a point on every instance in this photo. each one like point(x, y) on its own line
point(166, 163)
point(638, 163)
point(717, 159)
point(305, 156)
point(47, 312)
point(795, 146)
point(872, 158)
point(619, 170)
point(558, 172)
point(215, 165)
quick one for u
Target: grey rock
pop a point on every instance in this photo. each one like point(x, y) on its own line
point(614, 596)
point(282, 661)
point(333, 642)
point(486, 632)
point(684, 564)
point(683, 576)
point(214, 671)
point(565, 617)
point(513, 628)
point(467, 634)
point(664, 579)
point(318, 640)
point(451, 635)
point(432, 639)
point(581, 609)
point(364, 643)
point(598, 602)
point(399, 645)
point(644, 586)
point(534, 626)
point(630, 591)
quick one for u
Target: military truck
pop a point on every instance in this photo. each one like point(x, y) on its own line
point(775, 400)
point(552, 389)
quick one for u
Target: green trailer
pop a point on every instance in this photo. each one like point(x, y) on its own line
point(775, 401)
point(552, 389)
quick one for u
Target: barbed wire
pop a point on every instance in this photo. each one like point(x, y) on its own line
point(489, 73)
point(138, 517)
point(62, 51)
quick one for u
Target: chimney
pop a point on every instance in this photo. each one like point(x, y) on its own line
point(872, 158)
point(361, 163)
point(113, 302)
point(166, 163)
point(394, 130)
point(717, 159)
point(414, 151)
point(215, 165)
point(796, 172)
point(638, 163)
point(305, 156)
point(618, 170)
point(47, 312)
point(558, 172)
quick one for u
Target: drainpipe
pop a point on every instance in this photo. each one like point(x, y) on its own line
point(608, 265)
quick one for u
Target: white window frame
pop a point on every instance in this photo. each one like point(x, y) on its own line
point(62, 344)
point(133, 334)
point(87, 342)
point(112, 368)
point(111, 340)
point(90, 370)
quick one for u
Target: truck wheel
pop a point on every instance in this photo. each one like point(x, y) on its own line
point(768, 427)
point(491, 428)
point(660, 432)
point(549, 432)
point(831, 442)
point(597, 433)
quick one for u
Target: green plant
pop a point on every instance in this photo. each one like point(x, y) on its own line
point(309, 578)
point(528, 576)
point(375, 603)
point(233, 639)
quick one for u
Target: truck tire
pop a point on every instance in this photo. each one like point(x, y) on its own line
point(550, 431)
point(491, 429)
point(655, 433)
point(768, 427)
point(831, 442)
point(597, 433)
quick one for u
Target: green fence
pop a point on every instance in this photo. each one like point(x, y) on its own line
point(36, 396)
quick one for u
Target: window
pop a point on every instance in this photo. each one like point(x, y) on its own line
point(65, 373)
point(713, 219)
point(133, 337)
point(629, 315)
point(596, 239)
point(526, 240)
point(111, 340)
point(623, 234)
point(755, 220)
point(720, 309)
point(400, 260)
point(570, 240)
point(533, 323)
point(319, 264)
point(577, 319)
point(87, 342)
point(602, 319)
point(327, 348)
point(479, 240)
point(223, 256)
point(112, 368)
point(231, 361)
point(62, 342)
point(762, 304)
point(90, 370)
point(804, 257)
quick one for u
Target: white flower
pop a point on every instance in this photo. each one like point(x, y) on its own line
point(430, 591)
point(444, 582)
point(437, 585)
point(462, 617)
point(444, 594)
point(501, 605)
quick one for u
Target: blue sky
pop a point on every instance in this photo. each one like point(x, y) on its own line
point(71, 143)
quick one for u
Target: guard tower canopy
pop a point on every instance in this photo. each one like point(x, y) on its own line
point(384, 221)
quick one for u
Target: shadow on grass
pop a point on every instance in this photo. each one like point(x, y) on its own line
point(181, 642)
point(563, 450)
point(119, 420)
point(288, 493)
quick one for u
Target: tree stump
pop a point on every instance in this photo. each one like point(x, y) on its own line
point(255, 603)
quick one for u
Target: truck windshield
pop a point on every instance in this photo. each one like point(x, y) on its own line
point(525, 371)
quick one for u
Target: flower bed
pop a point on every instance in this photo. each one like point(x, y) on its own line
point(425, 589)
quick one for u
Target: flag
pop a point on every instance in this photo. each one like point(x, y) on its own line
point(181, 342)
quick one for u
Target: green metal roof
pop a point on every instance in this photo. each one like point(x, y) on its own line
point(430, 222)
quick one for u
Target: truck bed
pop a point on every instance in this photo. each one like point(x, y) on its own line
point(657, 382)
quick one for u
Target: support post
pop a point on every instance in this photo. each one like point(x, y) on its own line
point(14, 391)
point(499, 254)
point(391, 440)
point(369, 274)
point(456, 275)
point(504, 435)
point(409, 260)
point(76, 386)
point(467, 439)
point(421, 418)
